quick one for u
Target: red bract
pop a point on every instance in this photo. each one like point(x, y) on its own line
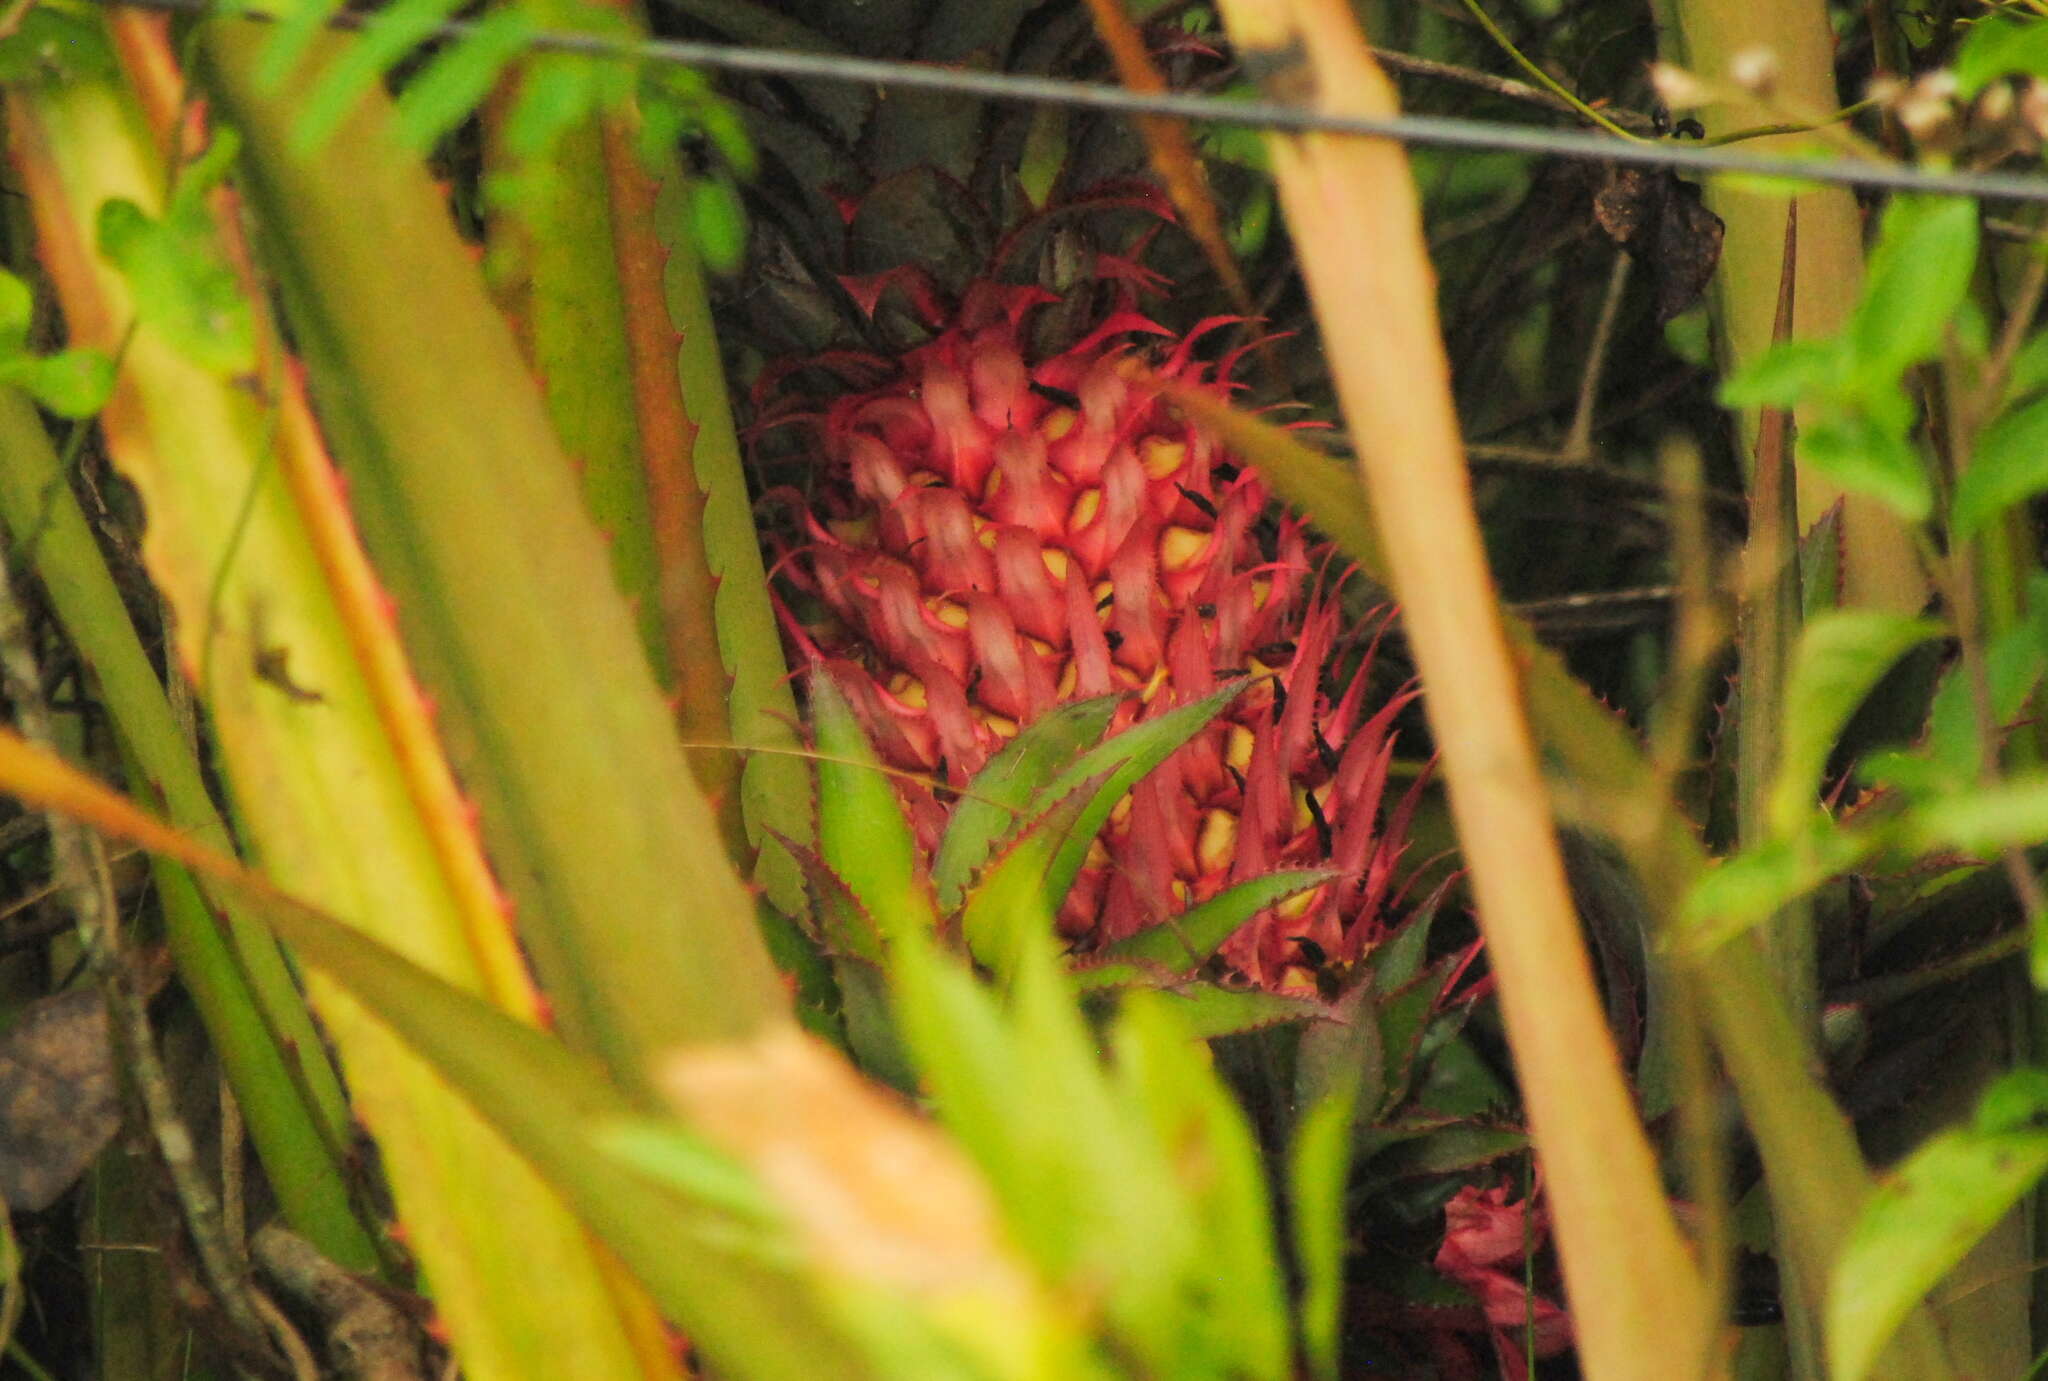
point(1486, 1242)
point(994, 536)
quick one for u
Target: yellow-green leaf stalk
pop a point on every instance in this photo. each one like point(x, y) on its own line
point(1356, 222)
point(641, 929)
point(1706, 37)
point(324, 744)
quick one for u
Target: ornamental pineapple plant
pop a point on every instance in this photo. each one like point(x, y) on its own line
point(991, 536)
point(982, 504)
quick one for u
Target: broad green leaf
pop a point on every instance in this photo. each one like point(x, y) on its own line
point(1858, 453)
point(1980, 820)
point(718, 223)
point(2016, 1102)
point(1752, 886)
point(230, 967)
point(296, 30)
point(2012, 665)
point(993, 807)
point(2008, 466)
point(1116, 767)
point(1092, 1188)
point(454, 84)
point(2029, 371)
point(967, 1057)
point(1794, 372)
point(17, 309)
point(181, 285)
point(1186, 941)
point(1926, 252)
point(250, 558)
point(1919, 1224)
point(862, 834)
point(46, 44)
point(359, 69)
point(70, 383)
point(1999, 45)
point(1318, 1166)
point(1841, 656)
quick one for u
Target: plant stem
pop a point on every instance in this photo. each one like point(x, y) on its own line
point(1357, 227)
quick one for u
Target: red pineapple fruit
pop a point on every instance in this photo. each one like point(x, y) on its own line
point(992, 535)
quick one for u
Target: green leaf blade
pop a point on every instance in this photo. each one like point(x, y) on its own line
point(2009, 465)
point(1841, 657)
point(1919, 1224)
point(862, 833)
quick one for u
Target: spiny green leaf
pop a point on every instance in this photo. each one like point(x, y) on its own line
point(1919, 1224)
point(1208, 1011)
point(1013, 901)
point(1820, 564)
point(1399, 957)
point(994, 805)
point(843, 923)
point(1119, 765)
point(1404, 1015)
point(1343, 1058)
point(456, 81)
point(1453, 1147)
point(1841, 656)
point(554, 1105)
point(862, 834)
point(1187, 940)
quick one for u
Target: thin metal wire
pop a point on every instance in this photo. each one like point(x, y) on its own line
point(1429, 131)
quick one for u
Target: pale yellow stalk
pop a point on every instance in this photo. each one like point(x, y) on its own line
point(1639, 1304)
